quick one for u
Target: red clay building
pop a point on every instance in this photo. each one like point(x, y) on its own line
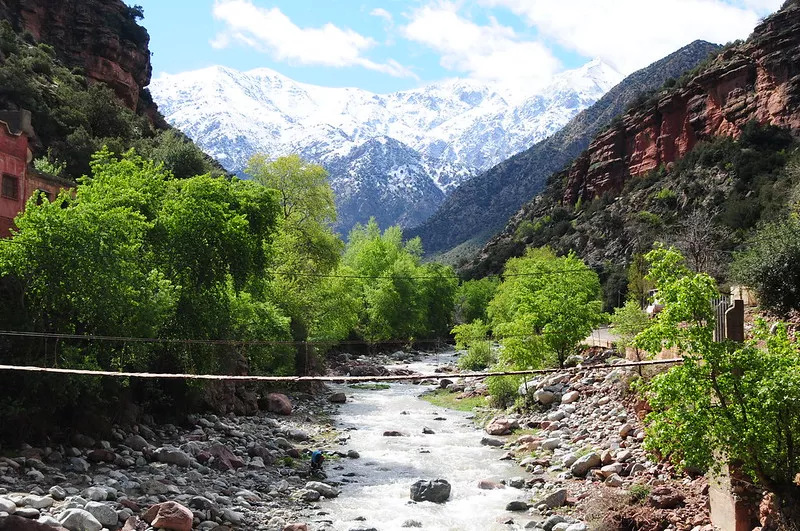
point(19, 182)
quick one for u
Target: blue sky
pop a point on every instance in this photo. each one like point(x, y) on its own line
point(390, 45)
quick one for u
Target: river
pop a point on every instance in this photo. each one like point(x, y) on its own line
point(375, 488)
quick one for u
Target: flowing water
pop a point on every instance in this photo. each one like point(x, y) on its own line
point(375, 488)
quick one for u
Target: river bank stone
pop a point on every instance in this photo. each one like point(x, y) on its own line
point(437, 490)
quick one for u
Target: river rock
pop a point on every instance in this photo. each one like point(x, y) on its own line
point(58, 493)
point(296, 527)
point(279, 403)
point(488, 441)
point(555, 499)
point(437, 490)
point(517, 506)
point(224, 459)
point(664, 497)
point(570, 397)
point(393, 433)
point(499, 426)
point(79, 520)
point(28, 512)
point(485, 484)
point(169, 515)
point(580, 467)
point(309, 495)
point(323, 488)
point(103, 513)
point(173, 456)
point(544, 397)
point(7, 506)
point(136, 442)
point(337, 398)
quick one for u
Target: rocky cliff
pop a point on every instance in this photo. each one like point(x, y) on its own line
point(100, 36)
point(757, 80)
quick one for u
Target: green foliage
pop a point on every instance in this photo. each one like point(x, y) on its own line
point(503, 390)
point(446, 399)
point(639, 492)
point(403, 299)
point(771, 266)
point(134, 252)
point(472, 299)
point(546, 306)
point(478, 357)
point(629, 321)
point(467, 334)
point(740, 401)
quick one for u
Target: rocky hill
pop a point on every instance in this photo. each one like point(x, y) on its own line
point(715, 147)
point(480, 208)
point(102, 37)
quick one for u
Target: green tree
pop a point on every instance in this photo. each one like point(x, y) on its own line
point(629, 321)
point(545, 307)
point(402, 299)
point(306, 253)
point(771, 266)
point(737, 401)
point(473, 297)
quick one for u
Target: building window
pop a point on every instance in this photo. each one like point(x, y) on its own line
point(10, 187)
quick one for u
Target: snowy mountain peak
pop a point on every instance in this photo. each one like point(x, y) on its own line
point(455, 127)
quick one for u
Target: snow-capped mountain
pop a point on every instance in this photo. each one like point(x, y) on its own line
point(457, 127)
point(388, 180)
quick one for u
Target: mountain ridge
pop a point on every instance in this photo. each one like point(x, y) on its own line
point(457, 126)
point(481, 207)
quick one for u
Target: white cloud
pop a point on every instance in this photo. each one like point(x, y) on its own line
point(492, 52)
point(270, 31)
point(630, 34)
point(382, 13)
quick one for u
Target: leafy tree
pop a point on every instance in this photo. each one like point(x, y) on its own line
point(402, 299)
point(473, 297)
point(472, 336)
point(771, 266)
point(629, 321)
point(740, 401)
point(306, 253)
point(545, 307)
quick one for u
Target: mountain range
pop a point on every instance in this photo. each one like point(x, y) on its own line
point(480, 208)
point(393, 156)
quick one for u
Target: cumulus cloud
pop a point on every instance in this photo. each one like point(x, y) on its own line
point(630, 34)
point(271, 31)
point(490, 52)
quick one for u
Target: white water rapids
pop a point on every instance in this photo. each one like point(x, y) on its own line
point(375, 488)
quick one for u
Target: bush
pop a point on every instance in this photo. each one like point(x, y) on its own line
point(478, 357)
point(502, 389)
point(771, 266)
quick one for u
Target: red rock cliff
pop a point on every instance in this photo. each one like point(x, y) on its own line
point(101, 36)
point(758, 80)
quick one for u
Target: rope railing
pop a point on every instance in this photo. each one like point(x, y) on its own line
point(332, 379)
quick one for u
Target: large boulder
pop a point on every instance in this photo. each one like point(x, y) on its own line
point(279, 403)
point(79, 520)
point(104, 514)
point(323, 488)
point(169, 515)
point(500, 426)
point(437, 490)
point(224, 459)
point(582, 466)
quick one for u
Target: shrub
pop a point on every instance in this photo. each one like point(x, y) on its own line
point(502, 389)
point(478, 357)
point(771, 266)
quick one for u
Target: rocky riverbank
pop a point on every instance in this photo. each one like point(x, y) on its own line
point(214, 473)
point(582, 448)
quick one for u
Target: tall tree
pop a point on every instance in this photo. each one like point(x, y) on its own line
point(545, 307)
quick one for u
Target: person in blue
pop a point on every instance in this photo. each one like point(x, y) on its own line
point(316, 460)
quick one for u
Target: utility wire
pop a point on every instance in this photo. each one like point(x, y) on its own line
point(254, 342)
